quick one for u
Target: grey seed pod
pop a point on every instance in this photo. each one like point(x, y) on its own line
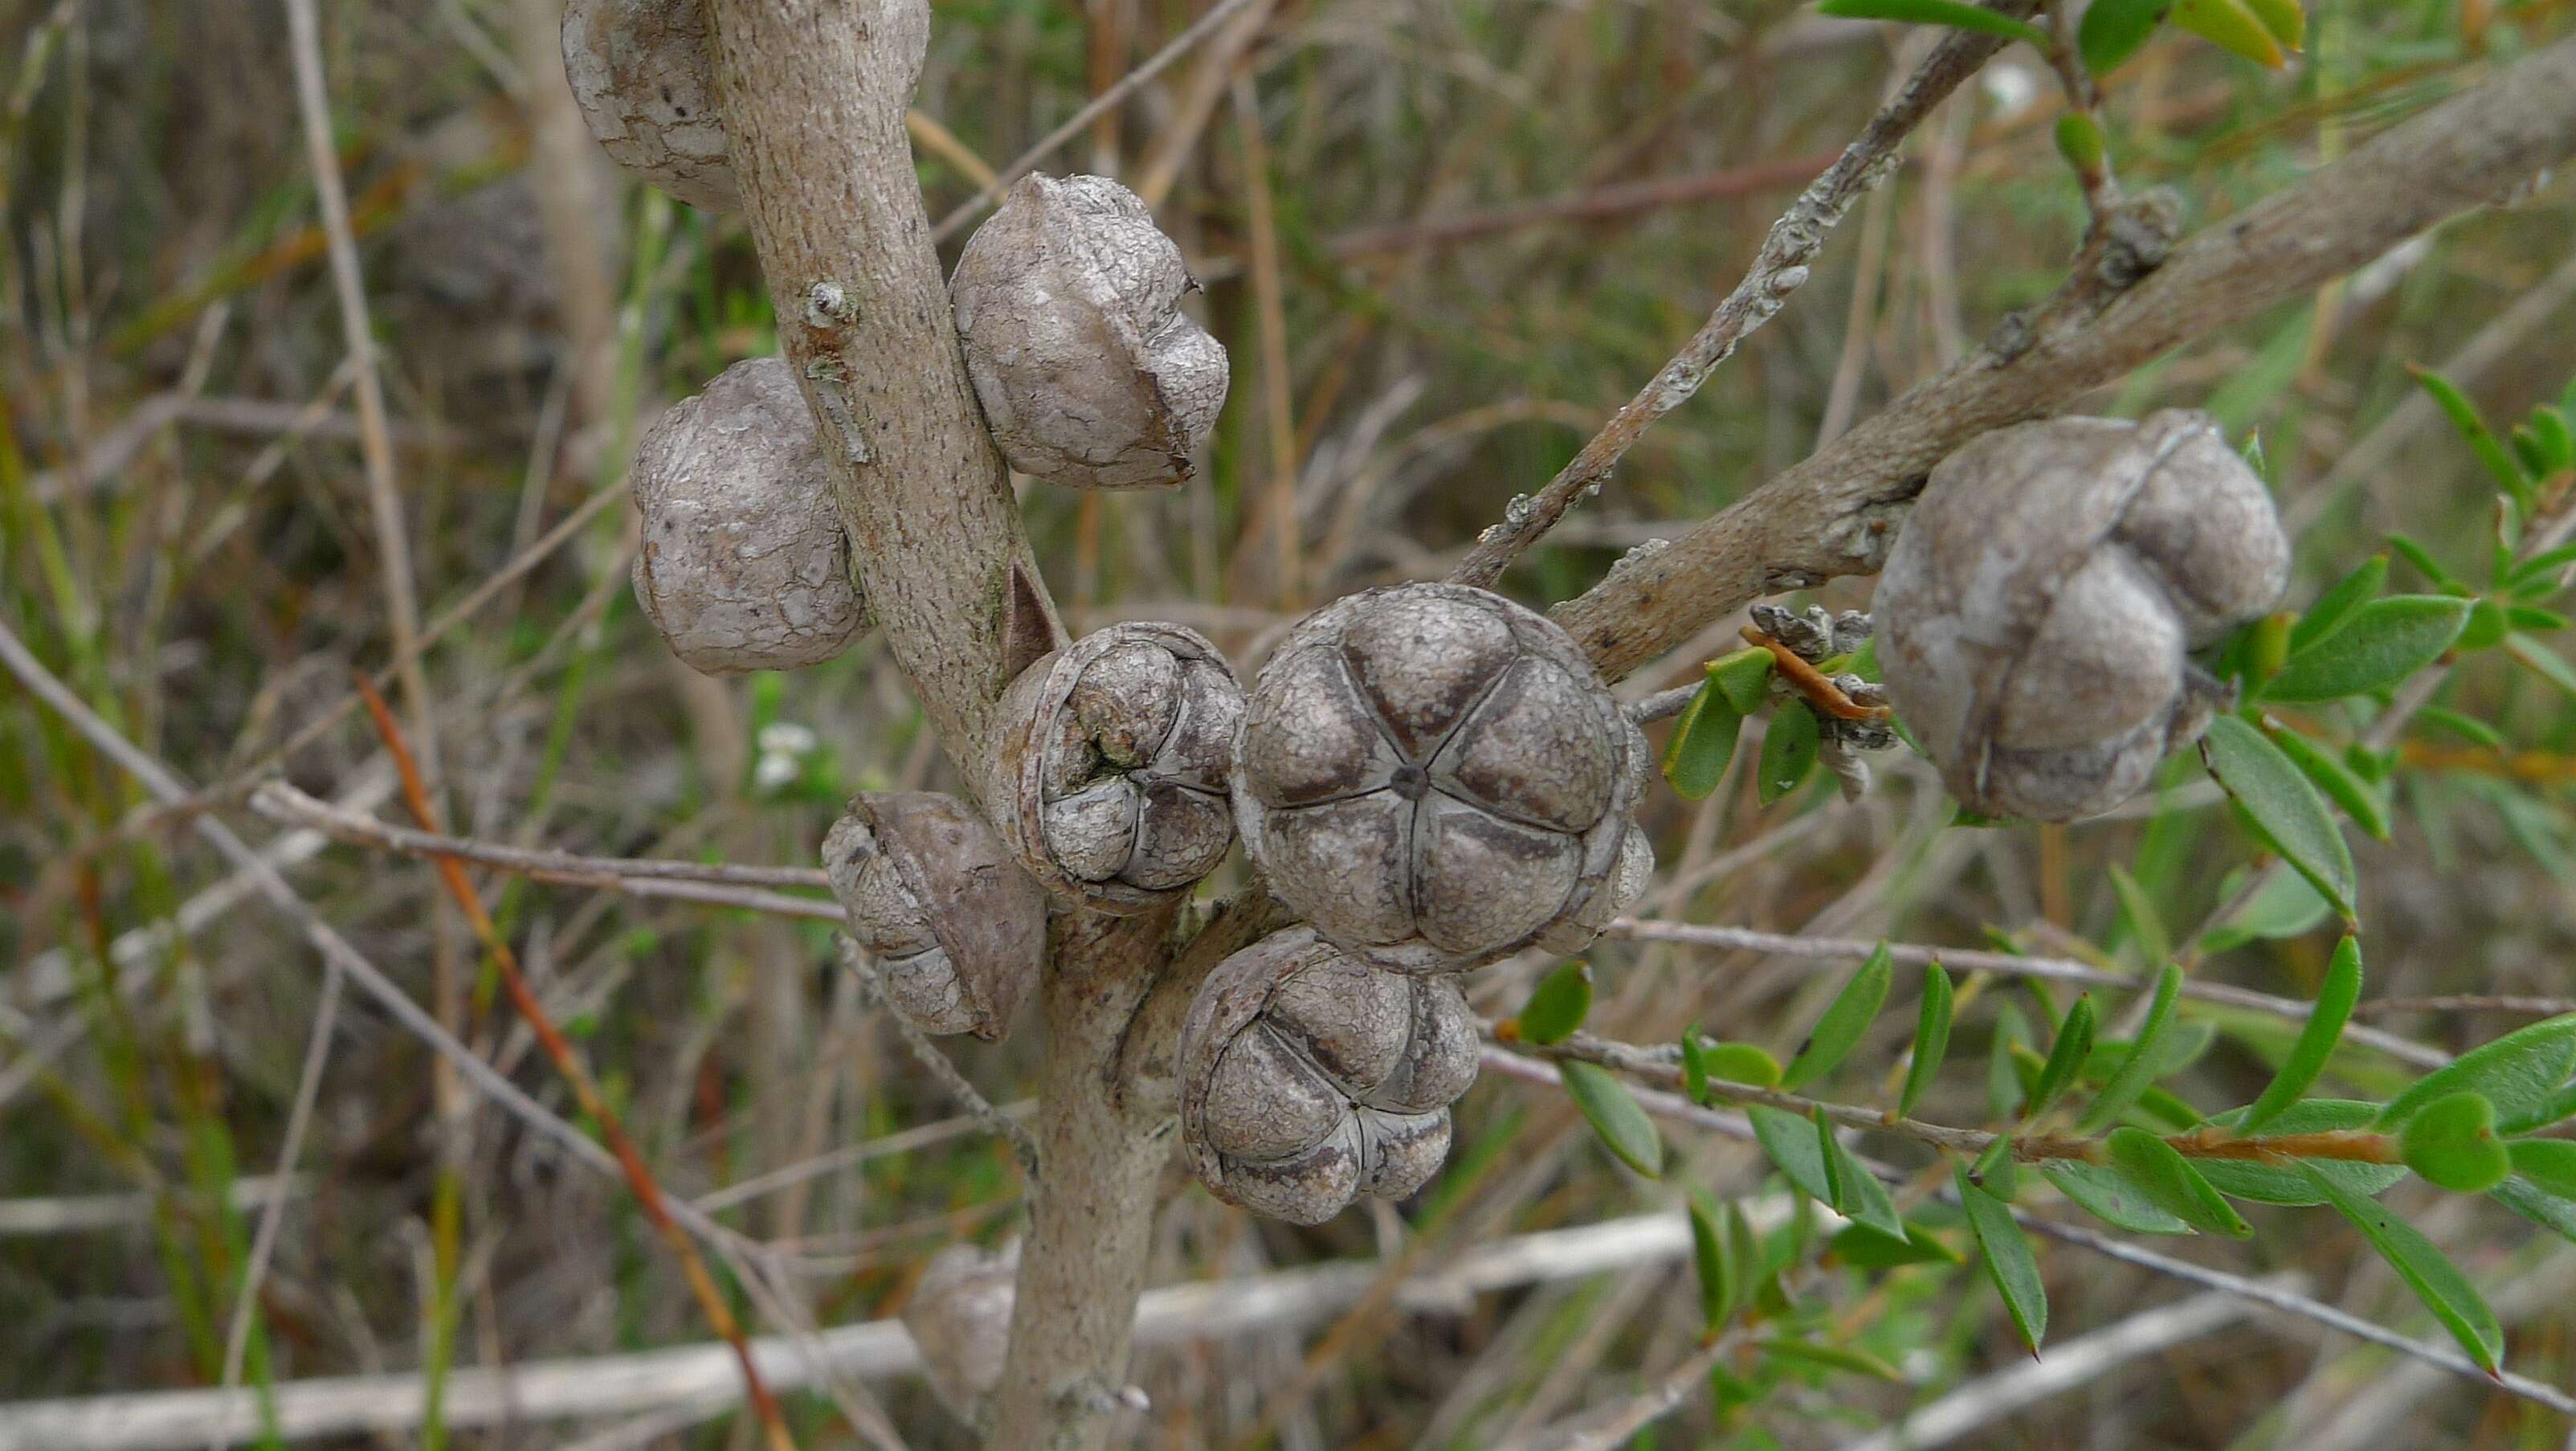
point(643, 74)
point(1068, 301)
point(1111, 777)
point(1436, 777)
point(1309, 1078)
point(957, 927)
point(2037, 608)
point(744, 564)
point(960, 1320)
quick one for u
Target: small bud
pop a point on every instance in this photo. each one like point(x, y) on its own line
point(643, 74)
point(1068, 302)
point(958, 929)
point(1437, 777)
point(1309, 1078)
point(744, 564)
point(2038, 607)
point(1111, 780)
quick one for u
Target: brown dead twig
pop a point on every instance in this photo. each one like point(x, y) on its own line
point(648, 1191)
point(1819, 690)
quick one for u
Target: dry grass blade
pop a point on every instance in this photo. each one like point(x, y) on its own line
point(648, 1192)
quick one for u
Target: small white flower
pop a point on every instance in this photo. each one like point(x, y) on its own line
point(787, 739)
point(775, 769)
point(2010, 88)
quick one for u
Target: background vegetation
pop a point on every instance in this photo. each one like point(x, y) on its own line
point(1442, 241)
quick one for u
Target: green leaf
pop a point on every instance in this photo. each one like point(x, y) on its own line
point(2468, 727)
point(1931, 1037)
point(2547, 562)
point(2286, 1183)
point(2079, 140)
point(1788, 751)
point(2114, 30)
point(2327, 772)
point(2145, 1060)
point(2138, 910)
point(2550, 1164)
point(1744, 677)
point(2385, 641)
point(2532, 618)
point(1613, 1113)
point(2334, 609)
point(2427, 566)
point(2169, 1181)
point(2003, 1081)
point(2281, 806)
point(2452, 1143)
point(1703, 742)
point(2009, 1262)
point(1558, 1005)
point(1790, 1142)
point(2283, 905)
point(2107, 1195)
point(2538, 1205)
point(2543, 661)
point(1719, 1280)
point(1845, 1019)
point(2474, 432)
point(2317, 1038)
point(1832, 1357)
point(1865, 1248)
point(2557, 441)
point(2434, 1279)
point(1953, 13)
point(2232, 27)
point(2517, 1073)
point(1857, 1194)
point(2066, 1059)
point(1741, 1063)
point(2284, 18)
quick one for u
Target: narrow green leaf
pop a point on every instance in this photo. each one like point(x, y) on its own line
point(2547, 562)
point(1857, 1194)
point(2557, 441)
point(1744, 677)
point(2517, 1073)
point(2114, 30)
point(1694, 1066)
point(2465, 726)
point(2003, 1081)
point(1741, 1063)
point(1790, 1143)
point(2146, 925)
point(1613, 1113)
point(1931, 1037)
point(1956, 14)
point(2283, 905)
point(1845, 1019)
point(2550, 1164)
point(1558, 1005)
point(2549, 1211)
point(2474, 432)
point(1719, 1283)
point(2232, 27)
point(2385, 641)
point(1865, 1248)
point(1703, 742)
point(2009, 1261)
point(2452, 1143)
point(2427, 566)
point(1995, 1170)
point(2145, 1059)
point(2284, 18)
point(2548, 664)
point(2066, 1059)
point(2531, 618)
point(1744, 1247)
point(2434, 1279)
point(2285, 1182)
point(2335, 608)
point(1832, 1357)
point(2327, 772)
point(2282, 807)
point(2317, 1038)
point(2168, 1179)
point(1788, 751)
point(2107, 1195)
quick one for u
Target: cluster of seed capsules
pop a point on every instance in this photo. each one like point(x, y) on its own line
point(1431, 777)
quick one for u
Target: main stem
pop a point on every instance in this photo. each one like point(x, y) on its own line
point(815, 93)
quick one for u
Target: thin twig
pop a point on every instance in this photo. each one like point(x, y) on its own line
point(1819, 689)
point(1011, 1131)
point(1073, 126)
point(630, 1160)
point(1852, 949)
point(1779, 269)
